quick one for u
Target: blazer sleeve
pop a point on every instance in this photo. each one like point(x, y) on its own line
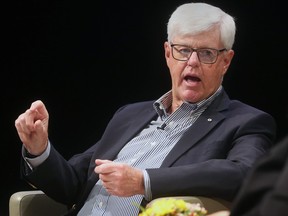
point(215, 163)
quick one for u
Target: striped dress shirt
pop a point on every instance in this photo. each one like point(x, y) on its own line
point(147, 150)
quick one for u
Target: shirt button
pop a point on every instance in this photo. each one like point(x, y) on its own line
point(100, 204)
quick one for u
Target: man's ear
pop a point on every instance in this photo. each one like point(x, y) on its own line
point(167, 50)
point(227, 60)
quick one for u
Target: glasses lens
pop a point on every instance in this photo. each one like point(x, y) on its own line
point(207, 55)
point(181, 53)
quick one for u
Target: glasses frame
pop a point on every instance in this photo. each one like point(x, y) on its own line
point(218, 51)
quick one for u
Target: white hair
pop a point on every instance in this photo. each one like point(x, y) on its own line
point(194, 18)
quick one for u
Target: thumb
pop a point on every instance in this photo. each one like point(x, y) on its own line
point(39, 126)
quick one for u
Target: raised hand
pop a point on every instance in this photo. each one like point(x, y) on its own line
point(32, 128)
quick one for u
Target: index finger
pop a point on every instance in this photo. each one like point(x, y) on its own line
point(106, 168)
point(40, 109)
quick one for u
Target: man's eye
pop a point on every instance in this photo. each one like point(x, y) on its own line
point(205, 52)
point(184, 51)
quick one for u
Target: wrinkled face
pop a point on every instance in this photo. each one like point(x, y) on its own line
point(193, 80)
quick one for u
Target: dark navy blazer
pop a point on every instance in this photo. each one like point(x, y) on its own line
point(211, 159)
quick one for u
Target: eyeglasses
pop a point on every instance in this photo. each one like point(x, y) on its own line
point(205, 55)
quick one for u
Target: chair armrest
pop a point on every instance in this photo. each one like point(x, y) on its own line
point(34, 203)
point(213, 205)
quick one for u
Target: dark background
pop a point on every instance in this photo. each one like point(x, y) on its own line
point(85, 59)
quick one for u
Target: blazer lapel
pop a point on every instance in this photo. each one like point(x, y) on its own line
point(205, 123)
point(132, 128)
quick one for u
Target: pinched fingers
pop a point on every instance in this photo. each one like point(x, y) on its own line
point(33, 119)
point(25, 123)
point(32, 127)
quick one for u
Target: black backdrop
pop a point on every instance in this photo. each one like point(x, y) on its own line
point(84, 59)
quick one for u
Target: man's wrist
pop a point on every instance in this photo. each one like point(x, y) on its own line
point(28, 155)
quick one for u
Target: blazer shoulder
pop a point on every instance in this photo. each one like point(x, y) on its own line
point(136, 106)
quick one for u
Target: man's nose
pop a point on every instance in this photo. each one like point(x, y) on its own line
point(193, 58)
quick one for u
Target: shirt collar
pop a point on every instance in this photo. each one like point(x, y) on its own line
point(163, 104)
